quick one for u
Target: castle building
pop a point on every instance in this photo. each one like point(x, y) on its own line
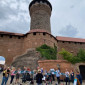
point(13, 45)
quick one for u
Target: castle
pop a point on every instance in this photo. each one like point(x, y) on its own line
point(14, 44)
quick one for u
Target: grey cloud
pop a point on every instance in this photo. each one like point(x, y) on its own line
point(16, 26)
point(69, 31)
point(6, 11)
point(72, 6)
point(27, 1)
point(24, 11)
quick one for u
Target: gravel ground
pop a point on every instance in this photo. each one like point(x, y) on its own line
point(28, 83)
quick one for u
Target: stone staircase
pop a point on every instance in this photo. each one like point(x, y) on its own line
point(29, 59)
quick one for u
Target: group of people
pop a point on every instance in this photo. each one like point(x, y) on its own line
point(39, 76)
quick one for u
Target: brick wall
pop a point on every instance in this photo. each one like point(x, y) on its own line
point(13, 46)
point(10, 47)
point(72, 47)
point(52, 64)
point(33, 41)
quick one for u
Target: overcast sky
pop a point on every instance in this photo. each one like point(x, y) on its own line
point(68, 17)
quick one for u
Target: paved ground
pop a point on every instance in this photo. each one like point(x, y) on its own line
point(28, 83)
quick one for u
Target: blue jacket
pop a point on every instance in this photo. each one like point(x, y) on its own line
point(80, 78)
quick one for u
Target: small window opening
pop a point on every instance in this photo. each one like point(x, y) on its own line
point(10, 36)
point(44, 33)
point(1, 35)
point(34, 33)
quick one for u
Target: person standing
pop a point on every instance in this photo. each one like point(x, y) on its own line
point(8, 72)
point(12, 75)
point(78, 76)
point(58, 75)
point(67, 77)
point(5, 76)
point(39, 77)
point(18, 71)
point(72, 76)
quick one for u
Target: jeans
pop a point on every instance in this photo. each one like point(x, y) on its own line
point(39, 84)
point(67, 80)
point(4, 81)
point(12, 77)
point(58, 79)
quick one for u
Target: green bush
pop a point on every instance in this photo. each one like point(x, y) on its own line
point(48, 52)
point(71, 58)
point(81, 55)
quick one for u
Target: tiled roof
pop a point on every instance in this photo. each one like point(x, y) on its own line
point(60, 38)
point(70, 39)
point(20, 34)
point(38, 30)
point(11, 33)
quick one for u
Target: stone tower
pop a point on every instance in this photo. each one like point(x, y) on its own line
point(40, 12)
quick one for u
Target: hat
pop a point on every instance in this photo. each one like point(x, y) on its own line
point(39, 70)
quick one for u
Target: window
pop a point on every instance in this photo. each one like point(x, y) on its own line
point(44, 33)
point(75, 42)
point(34, 33)
point(69, 42)
point(10, 36)
point(62, 41)
point(80, 43)
point(1, 35)
point(19, 37)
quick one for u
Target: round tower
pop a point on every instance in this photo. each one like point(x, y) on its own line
point(40, 12)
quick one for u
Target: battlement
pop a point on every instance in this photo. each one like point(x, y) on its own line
point(40, 1)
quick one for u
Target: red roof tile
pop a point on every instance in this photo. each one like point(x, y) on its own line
point(70, 39)
point(38, 30)
point(41, 30)
point(11, 33)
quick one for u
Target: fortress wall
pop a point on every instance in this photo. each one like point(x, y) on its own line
point(53, 64)
point(72, 47)
point(35, 40)
point(10, 46)
point(13, 46)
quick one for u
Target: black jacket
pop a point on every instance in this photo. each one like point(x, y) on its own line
point(39, 77)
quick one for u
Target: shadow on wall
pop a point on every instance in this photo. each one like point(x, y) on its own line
point(2, 60)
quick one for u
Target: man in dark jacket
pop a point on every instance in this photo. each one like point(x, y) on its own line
point(78, 76)
point(39, 77)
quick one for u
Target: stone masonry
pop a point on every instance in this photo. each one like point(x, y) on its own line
point(14, 47)
point(40, 13)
